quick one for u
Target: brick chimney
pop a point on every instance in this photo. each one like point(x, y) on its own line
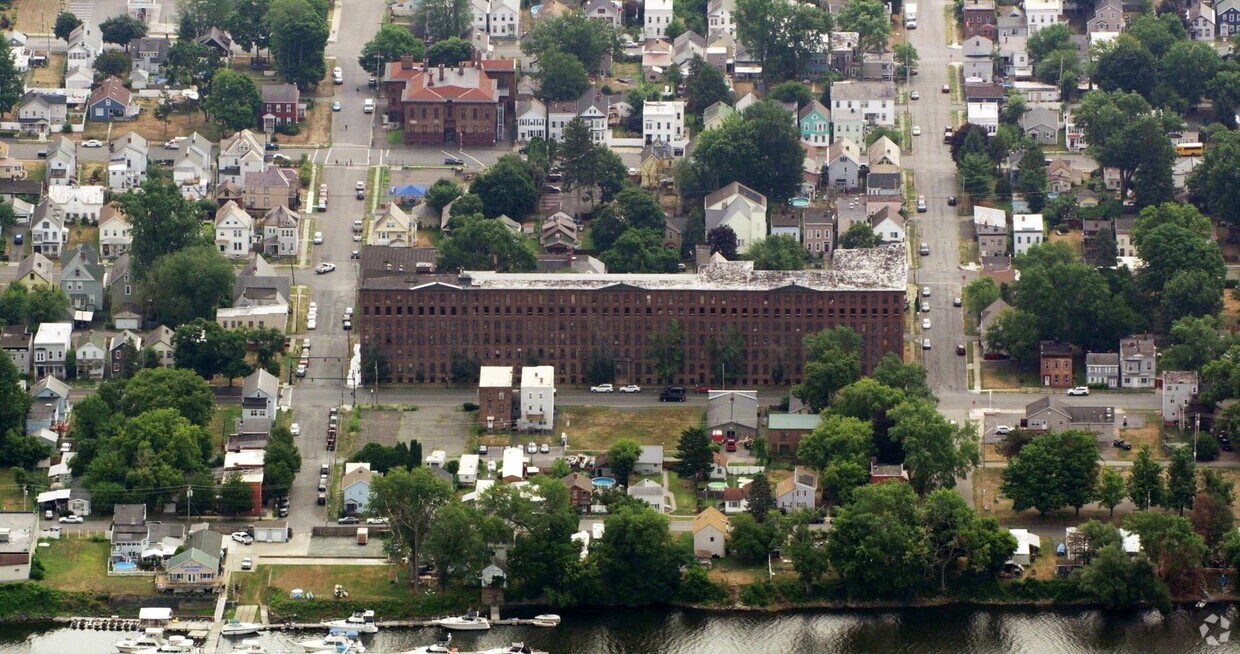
point(441, 72)
point(406, 62)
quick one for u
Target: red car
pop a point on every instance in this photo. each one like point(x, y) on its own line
point(701, 389)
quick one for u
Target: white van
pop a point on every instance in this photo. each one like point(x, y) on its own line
point(338, 75)
point(369, 106)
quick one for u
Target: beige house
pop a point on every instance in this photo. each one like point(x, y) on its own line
point(710, 534)
point(394, 227)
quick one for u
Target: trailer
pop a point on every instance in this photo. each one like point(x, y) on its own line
point(910, 15)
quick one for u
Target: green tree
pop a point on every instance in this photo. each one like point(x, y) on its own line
point(704, 86)
point(209, 350)
point(668, 351)
point(1055, 470)
point(456, 543)
point(1016, 333)
point(877, 545)
point(575, 150)
point(906, 58)
point(979, 294)
point(693, 450)
point(389, 44)
point(163, 222)
point(562, 76)
point(1145, 482)
point(871, 21)
point(777, 252)
point(478, 243)
point(122, 29)
point(909, 378)
point(444, 19)
point(1013, 110)
point(169, 388)
point(1049, 39)
point(809, 558)
point(585, 39)
point(1158, 34)
point(826, 371)
point(190, 62)
point(444, 191)
point(449, 52)
point(1169, 541)
point(298, 40)
point(636, 557)
point(233, 101)
point(936, 452)
point(235, 495)
point(751, 541)
point(792, 91)
point(1181, 480)
point(621, 457)
point(840, 447)
point(11, 81)
point(247, 27)
point(65, 24)
point(640, 251)
point(1215, 182)
point(723, 241)
point(762, 150)
point(1111, 490)
point(110, 62)
point(466, 205)
point(1126, 65)
point(782, 36)
point(188, 284)
point(506, 188)
point(761, 502)
point(976, 175)
point(46, 304)
point(409, 499)
point(726, 353)
point(1117, 582)
point(1188, 68)
point(14, 402)
point(858, 236)
point(1212, 519)
point(1224, 94)
point(1031, 180)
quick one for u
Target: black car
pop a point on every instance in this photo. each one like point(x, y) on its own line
point(272, 145)
point(372, 82)
point(1121, 444)
point(453, 161)
point(525, 149)
point(951, 200)
point(672, 394)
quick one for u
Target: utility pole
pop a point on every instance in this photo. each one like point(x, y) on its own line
point(189, 496)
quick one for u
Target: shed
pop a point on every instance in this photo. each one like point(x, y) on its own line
point(467, 474)
point(514, 465)
point(1027, 546)
point(154, 616)
point(273, 533)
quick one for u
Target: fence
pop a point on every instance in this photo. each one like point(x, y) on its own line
point(745, 470)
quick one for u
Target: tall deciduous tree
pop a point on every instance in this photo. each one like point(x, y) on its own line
point(506, 188)
point(562, 77)
point(457, 543)
point(163, 222)
point(1145, 482)
point(66, 22)
point(479, 243)
point(777, 252)
point(1126, 65)
point(936, 452)
point(636, 557)
point(782, 36)
point(247, 26)
point(1055, 470)
point(762, 151)
point(877, 545)
point(870, 20)
point(444, 19)
point(667, 348)
point(122, 29)
point(234, 101)
point(235, 495)
point(704, 86)
point(1111, 490)
point(621, 457)
point(11, 82)
point(188, 284)
point(169, 388)
point(722, 241)
point(14, 402)
point(841, 447)
point(574, 34)
point(298, 39)
point(449, 52)
point(1181, 480)
point(389, 44)
point(409, 500)
point(979, 294)
point(858, 236)
point(1031, 180)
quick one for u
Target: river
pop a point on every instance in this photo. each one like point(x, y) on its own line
point(946, 630)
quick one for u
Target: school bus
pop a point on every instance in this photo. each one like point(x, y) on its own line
point(1190, 149)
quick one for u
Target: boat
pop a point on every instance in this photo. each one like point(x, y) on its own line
point(152, 637)
point(250, 646)
point(341, 642)
point(174, 645)
point(239, 628)
point(442, 647)
point(515, 648)
point(363, 622)
point(469, 622)
point(547, 620)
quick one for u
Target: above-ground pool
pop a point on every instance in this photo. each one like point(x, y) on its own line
point(603, 482)
point(124, 566)
point(717, 486)
point(799, 202)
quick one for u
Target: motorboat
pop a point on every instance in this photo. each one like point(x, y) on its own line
point(151, 638)
point(341, 642)
point(363, 622)
point(469, 622)
point(174, 645)
point(547, 620)
point(442, 647)
point(238, 628)
point(250, 646)
point(515, 648)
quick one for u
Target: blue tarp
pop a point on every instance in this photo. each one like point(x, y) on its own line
point(408, 191)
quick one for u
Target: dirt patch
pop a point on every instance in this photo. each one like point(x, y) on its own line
point(153, 129)
point(36, 16)
point(435, 427)
point(1074, 239)
point(1145, 435)
point(595, 429)
point(1004, 375)
point(83, 235)
point(49, 76)
point(1231, 311)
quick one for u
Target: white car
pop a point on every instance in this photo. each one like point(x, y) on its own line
point(295, 429)
point(914, 95)
point(916, 130)
point(631, 388)
point(311, 323)
point(925, 291)
point(531, 447)
point(318, 238)
point(360, 186)
point(243, 538)
point(925, 323)
point(925, 344)
point(376, 521)
point(314, 306)
point(925, 307)
point(603, 388)
point(92, 143)
point(1003, 429)
point(247, 563)
point(544, 449)
point(357, 238)
point(324, 268)
point(491, 465)
point(71, 520)
point(1079, 390)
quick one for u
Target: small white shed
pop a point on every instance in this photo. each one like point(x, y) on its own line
point(276, 532)
point(467, 474)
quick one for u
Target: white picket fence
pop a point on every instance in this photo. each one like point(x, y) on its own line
point(745, 470)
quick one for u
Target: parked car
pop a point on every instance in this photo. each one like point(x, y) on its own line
point(301, 369)
point(544, 449)
point(914, 95)
point(925, 323)
point(631, 388)
point(951, 200)
point(483, 450)
point(324, 268)
point(960, 349)
point(603, 388)
point(243, 538)
point(271, 145)
point(348, 520)
point(531, 447)
point(295, 429)
point(956, 302)
point(92, 143)
point(376, 521)
point(925, 344)
point(916, 130)
point(925, 291)
point(453, 161)
point(1003, 429)
point(247, 563)
point(921, 204)
point(701, 390)
point(924, 249)
point(673, 394)
point(947, 88)
point(335, 105)
point(1121, 444)
point(1079, 390)
point(323, 496)
point(71, 520)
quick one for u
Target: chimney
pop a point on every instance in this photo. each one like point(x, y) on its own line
point(441, 72)
point(406, 62)
point(460, 68)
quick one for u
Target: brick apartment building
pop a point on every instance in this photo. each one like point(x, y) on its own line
point(468, 104)
point(421, 322)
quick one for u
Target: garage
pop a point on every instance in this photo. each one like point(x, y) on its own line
point(274, 533)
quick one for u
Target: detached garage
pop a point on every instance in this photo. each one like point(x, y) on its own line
point(276, 532)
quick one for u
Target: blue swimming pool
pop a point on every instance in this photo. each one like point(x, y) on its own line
point(604, 482)
point(124, 566)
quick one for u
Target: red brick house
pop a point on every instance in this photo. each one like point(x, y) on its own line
point(436, 106)
point(282, 106)
point(884, 472)
point(495, 398)
point(580, 489)
point(1056, 365)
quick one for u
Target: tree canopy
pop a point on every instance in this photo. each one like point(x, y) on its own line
point(389, 44)
point(479, 243)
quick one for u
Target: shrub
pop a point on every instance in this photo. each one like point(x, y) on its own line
point(756, 594)
point(697, 588)
point(469, 406)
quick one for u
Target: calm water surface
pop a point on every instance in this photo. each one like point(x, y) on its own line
point(952, 630)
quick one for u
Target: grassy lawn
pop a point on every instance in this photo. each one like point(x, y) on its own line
point(10, 495)
point(1074, 239)
point(153, 129)
point(953, 80)
point(1005, 375)
point(36, 171)
point(364, 582)
point(77, 564)
point(682, 490)
point(596, 428)
point(949, 19)
point(396, 137)
point(51, 75)
point(222, 424)
point(83, 234)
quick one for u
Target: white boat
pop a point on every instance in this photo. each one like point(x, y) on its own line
point(362, 622)
point(250, 646)
point(238, 628)
point(515, 648)
point(442, 647)
point(174, 645)
point(547, 620)
point(337, 641)
point(152, 637)
point(468, 622)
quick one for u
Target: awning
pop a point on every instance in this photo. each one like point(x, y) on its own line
point(53, 496)
point(408, 191)
point(155, 613)
point(83, 316)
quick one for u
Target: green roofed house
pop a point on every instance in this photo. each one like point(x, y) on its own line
point(195, 569)
point(785, 430)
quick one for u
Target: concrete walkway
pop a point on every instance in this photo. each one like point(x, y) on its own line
point(669, 499)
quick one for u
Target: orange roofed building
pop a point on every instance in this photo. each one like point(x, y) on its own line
point(465, 105)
